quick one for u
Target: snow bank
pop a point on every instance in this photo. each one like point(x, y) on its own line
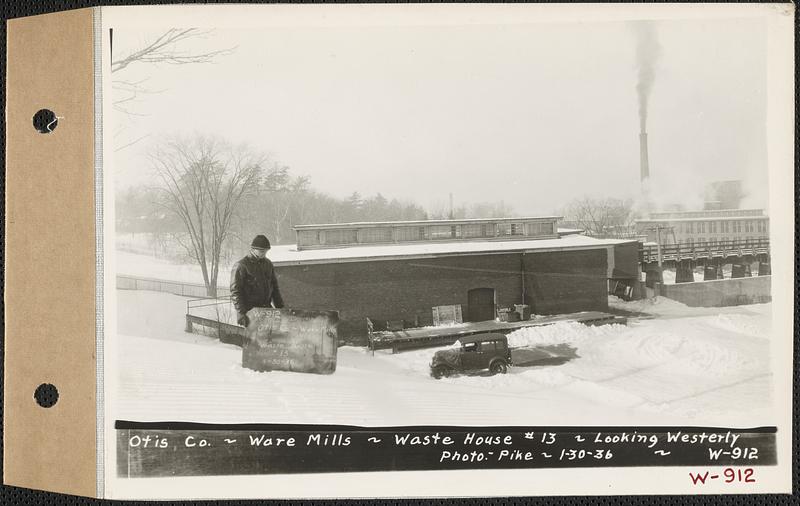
point(698, 366)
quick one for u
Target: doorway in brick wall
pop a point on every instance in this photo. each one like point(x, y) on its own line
point(480, 304)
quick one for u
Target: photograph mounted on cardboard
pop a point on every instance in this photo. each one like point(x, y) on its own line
point(534, 221)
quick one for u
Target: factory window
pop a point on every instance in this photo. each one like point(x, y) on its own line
point(341, 236)
point(517, 229)
point(712, 227)
point(440, 232)
point(539, 228)
point(410, 233)
point(307, 238)
point(376, 234)
point(503, 229)
point(473, 230)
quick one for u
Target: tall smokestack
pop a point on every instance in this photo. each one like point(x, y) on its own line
point(648, 52)
point(644, 163)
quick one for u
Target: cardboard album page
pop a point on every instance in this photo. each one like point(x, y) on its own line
point(49, 402)
point(312, 251)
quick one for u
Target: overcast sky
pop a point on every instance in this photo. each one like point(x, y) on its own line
point(534, 115)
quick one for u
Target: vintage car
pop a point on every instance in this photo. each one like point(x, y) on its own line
point(477, 352)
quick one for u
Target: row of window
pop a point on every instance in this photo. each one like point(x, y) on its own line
point(372, 235)
point(722, 227)
point(745, 241)
point(726, 213)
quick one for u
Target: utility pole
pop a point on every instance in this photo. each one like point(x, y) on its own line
point(658, 246)
point(657, 229)
point(451, 206)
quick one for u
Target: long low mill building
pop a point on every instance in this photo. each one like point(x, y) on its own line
point(399, 271)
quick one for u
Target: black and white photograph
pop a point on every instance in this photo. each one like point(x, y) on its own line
point(445, 216)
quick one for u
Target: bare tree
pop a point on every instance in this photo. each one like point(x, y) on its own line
point(203, 182)
point(607, 217)
point(166, 48)
point(280, 197)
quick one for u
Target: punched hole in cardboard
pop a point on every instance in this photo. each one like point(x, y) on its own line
point(46, 395)
point(45, 121)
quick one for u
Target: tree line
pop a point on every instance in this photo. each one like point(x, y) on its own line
point(208, 198)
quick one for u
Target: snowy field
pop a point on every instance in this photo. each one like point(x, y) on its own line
point(692, 366)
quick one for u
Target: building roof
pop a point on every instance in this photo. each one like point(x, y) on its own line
point(570, 231)
point(290, 255)
point(371, 224)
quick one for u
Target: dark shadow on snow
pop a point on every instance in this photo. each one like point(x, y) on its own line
point(543, 355)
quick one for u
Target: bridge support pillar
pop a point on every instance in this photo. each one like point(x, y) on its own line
point(684, 272)
point(652, 276)
point(712, 272)
point(764, 267)
point(740, 271)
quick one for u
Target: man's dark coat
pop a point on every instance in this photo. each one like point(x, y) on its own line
point(253, 284)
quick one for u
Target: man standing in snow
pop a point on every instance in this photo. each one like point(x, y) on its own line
point(253, 281)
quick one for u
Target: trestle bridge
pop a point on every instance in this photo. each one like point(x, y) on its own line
point(712, 255)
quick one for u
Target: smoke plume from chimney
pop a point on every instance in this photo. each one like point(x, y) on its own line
point(648, 51)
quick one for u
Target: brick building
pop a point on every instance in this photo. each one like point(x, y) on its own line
point(401, 270)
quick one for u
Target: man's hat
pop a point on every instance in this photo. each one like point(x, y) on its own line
point(260, 242)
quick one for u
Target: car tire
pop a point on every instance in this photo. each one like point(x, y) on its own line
point(498, 367)
point(441, 371)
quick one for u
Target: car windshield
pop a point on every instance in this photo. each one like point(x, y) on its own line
point(471, 347)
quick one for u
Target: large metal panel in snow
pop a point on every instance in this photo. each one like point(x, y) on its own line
point(291, 340)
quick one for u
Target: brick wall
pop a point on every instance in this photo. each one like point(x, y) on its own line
point(382, 290)
point(567, 281)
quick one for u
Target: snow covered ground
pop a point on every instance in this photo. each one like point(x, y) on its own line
point(692, 366)
point(147, 266)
